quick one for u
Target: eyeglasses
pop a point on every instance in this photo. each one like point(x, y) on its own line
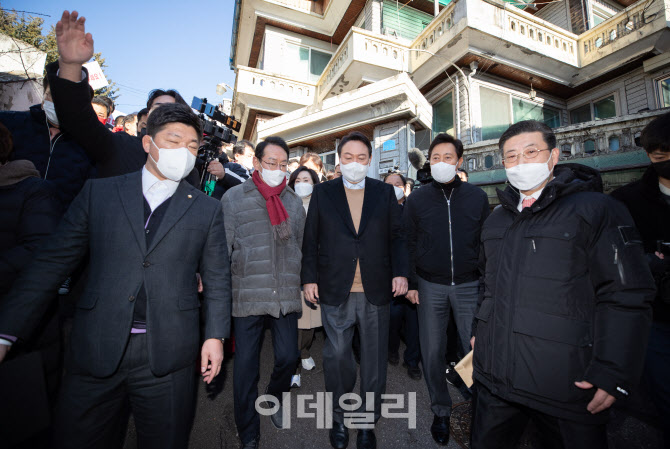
point(275, 166)
point(528, 154)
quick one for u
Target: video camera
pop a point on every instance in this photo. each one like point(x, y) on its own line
point(214, 136)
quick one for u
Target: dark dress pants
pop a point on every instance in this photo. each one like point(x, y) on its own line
point(248, 338)
point(339, 365)
point(93, 412)
point(404, 311)
point(499, 424)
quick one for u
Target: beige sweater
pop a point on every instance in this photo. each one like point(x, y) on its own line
point(355, 200)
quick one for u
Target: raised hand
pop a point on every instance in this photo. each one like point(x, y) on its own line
point(75, 45)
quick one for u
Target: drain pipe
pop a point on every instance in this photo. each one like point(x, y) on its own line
point(458, 108)
point(233, 38)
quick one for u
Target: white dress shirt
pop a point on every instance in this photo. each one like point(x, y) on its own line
point(522, 197)
point(352, 186)
point(156, 191)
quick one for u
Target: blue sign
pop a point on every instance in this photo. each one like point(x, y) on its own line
point(389, 145)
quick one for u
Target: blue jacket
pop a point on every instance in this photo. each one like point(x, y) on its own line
point(61, 161)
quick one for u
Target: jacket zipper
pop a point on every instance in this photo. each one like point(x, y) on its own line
point(451, 238)
point(51, 151)
point(619, 264)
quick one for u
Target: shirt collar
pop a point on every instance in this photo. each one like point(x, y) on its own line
point(522, 197)
point(351, 186)
point(148, 181)
point(664, 190)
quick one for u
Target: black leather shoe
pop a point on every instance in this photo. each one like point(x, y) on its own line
point(414, 372)
point(440, 430)
point(366, 439)
point(253, 444)
point(339, 436)
point(394, 359)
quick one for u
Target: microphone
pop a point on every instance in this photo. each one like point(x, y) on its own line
point(416, 158)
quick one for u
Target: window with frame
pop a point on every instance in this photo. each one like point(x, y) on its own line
point(499, 110)
point(595, 110)
point(304, 63)
point(329, 159)
point(443, 115)
point(664, 92)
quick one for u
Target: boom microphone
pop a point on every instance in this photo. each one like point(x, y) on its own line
point(416, 158)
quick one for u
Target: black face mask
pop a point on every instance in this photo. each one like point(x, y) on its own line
point(662, 169)
point(143, 132)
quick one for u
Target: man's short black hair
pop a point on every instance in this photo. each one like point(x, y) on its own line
point(274, 140)
point(130, 118)
point(656, 135)
point(119, 120)
point(529, 126)
point(160, 92)
point(411, 182)
point(173, 113)
point(294, 176)
point(446, 138)
point(143, 113)
point(6, 143)
point(360, 137)
point(110, 103)
point(240, 146)
point(100, 100)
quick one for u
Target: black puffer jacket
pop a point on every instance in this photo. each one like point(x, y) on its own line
point(651, 213)
point(432, 213)
point(567, 298)
point(61, 161)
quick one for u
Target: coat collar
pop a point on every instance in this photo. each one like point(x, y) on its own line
point(371, 198)
point(130, 192)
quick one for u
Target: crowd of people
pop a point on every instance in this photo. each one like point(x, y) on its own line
point(561, 292)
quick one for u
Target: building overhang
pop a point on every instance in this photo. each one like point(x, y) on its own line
point(390, 99)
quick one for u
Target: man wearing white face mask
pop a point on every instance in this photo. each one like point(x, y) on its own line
point(443, 221)
point(136, 334)
point(354, 263)
point(264, 227)
point(561, 327)
point(39, 138)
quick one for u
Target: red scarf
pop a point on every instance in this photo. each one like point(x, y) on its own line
point(279, 218)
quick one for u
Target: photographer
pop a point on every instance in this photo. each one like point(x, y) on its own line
point(229, 174)
point(648, 201)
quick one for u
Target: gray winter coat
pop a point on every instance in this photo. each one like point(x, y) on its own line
point(265, 271)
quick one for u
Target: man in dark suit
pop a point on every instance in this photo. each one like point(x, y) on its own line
point(354, 262)
point(136, 329)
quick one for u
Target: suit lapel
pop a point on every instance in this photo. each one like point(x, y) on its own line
point(336, 193)
point(370, 201)
point(180, 202)
point(132, 199)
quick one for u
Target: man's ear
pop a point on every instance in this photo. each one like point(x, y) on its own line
point(146, 143)
point(459, 163)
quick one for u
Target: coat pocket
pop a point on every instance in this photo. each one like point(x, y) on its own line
point(88, 300)
point(551, 251)
point(550, 353)
point(482, 355)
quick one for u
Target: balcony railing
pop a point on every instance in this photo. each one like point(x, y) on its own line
point(268, 86)
point(367, 49)
point(500, 20)
point(624, 28)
